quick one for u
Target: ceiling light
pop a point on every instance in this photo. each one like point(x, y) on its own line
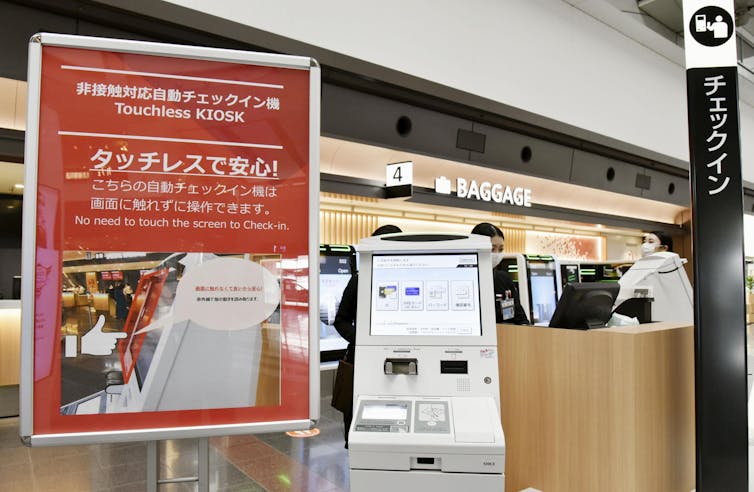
point(19, 186)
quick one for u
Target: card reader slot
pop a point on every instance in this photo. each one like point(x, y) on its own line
point(401, 366)
point(454, 367)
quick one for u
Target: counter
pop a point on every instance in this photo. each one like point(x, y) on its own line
point(597, 410)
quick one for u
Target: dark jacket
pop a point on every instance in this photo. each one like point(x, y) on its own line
point(504, 286)
point(345, 319)
point(121, 303)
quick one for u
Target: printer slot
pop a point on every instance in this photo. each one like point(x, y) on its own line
point(426, 463)
point(454, 367)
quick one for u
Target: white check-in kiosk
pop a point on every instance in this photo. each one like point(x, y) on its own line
point(662, 278)
point(426, 389)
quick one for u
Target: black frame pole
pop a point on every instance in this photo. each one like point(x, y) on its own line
point(717, 222)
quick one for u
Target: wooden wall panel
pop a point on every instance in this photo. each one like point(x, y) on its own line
point(515, 240)
point(345, 227)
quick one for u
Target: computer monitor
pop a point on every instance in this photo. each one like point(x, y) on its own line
point(425, 295)
point(585, 305)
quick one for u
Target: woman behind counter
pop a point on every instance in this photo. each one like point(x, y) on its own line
point(508, 308)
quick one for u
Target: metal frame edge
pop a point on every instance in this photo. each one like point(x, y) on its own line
point(159, 434)
point(175, 50)
point(28, 241)
point(314, 239)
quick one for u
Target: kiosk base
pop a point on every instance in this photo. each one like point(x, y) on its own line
point(436, 481)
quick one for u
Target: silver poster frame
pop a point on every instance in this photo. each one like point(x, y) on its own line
point(31, 146)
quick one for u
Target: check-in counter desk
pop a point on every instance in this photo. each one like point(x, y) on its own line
point(72, 299)
point(102, 302)
point(10, 356)
point(598, 410)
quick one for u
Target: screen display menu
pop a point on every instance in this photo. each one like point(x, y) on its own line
point(543, 290)
point(425, 295)
point(334, 274)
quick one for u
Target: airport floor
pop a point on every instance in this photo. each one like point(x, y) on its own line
point(262, 462)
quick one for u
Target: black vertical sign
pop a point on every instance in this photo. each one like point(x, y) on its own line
point(717, 211)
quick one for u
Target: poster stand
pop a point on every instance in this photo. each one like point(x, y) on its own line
point(202, 465)
point(214, 247)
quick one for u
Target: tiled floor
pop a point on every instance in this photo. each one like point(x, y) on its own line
point(263, 462)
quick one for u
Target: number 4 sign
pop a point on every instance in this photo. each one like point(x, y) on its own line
point(399, 179)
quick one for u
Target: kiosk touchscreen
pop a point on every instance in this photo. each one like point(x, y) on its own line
point(538, 278)
point(337, 263)
point(426, 389)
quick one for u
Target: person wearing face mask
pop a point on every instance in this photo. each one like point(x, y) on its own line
point(655, 242)
point(508, 308)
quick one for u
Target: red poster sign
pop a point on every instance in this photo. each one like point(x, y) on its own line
point(188, 180)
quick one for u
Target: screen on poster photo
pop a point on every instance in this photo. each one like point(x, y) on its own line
point(145, 300)
point(146, 354)
point(425, 295)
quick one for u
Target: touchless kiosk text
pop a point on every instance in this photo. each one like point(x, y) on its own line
point(426, 389)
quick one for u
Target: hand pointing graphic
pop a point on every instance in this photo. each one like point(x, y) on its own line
point(97, 342)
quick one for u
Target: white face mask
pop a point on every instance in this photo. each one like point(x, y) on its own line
point(496, 258)
point(647, 249)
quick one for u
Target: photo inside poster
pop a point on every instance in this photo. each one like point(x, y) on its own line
point(147, 332)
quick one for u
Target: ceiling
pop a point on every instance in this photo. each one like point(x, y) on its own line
point(352, 159)
point(368, 162)
point(670, 13)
